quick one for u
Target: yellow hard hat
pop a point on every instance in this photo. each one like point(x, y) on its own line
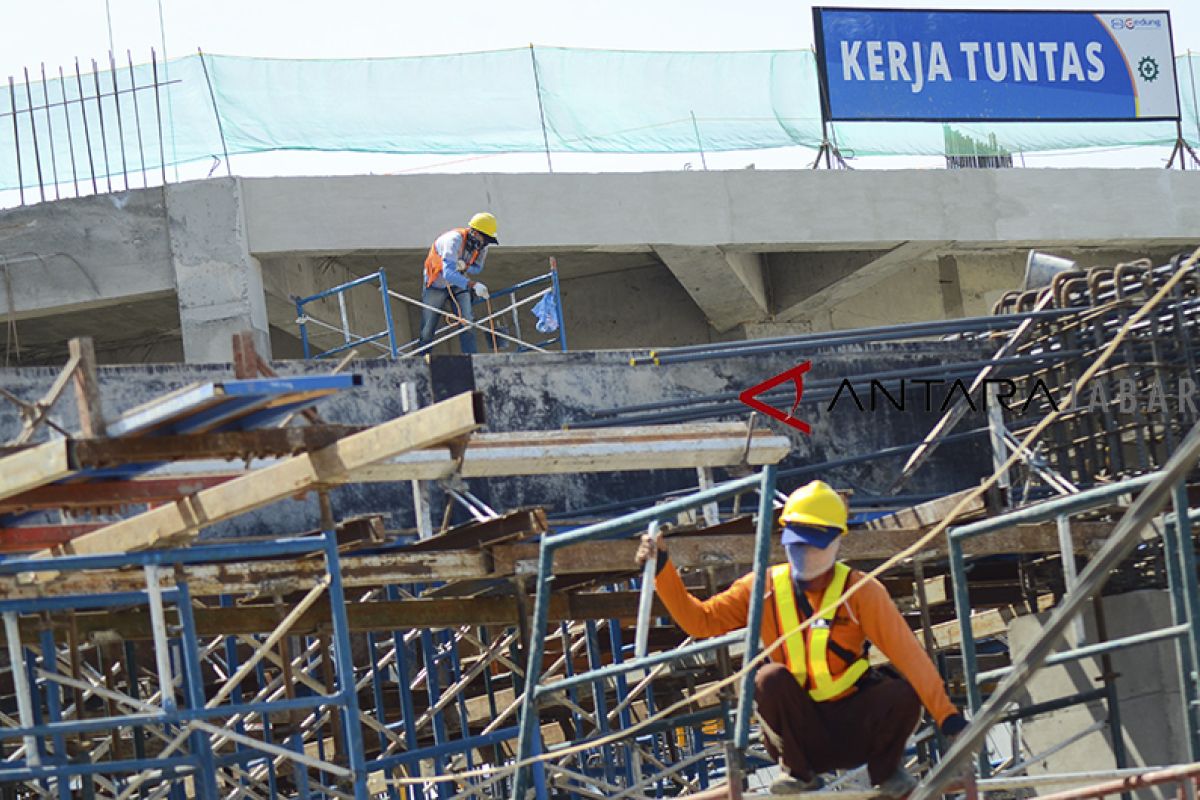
point(816, 504)
point(485, 223)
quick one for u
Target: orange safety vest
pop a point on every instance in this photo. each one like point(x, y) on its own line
point(433, 261)
point(812, 662)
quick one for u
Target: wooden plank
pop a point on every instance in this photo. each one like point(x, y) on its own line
point(263, 443)
point(608, 450)
point(931, 512)
point(184, 518)
point(984, 624)
point(87, 388)
point(37, 466)
point(391, 615)
point(701, 550)
point(270, 577)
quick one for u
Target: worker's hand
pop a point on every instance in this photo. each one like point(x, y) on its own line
point(953, 725)
point(646, 548)
point(481, 290)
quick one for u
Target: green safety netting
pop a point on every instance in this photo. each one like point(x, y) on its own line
point(506, 101)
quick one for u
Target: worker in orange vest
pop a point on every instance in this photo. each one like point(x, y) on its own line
point(455, 255)
point(821, 705)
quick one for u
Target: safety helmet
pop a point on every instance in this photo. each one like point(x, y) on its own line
point(485, 223)
point(815, 504)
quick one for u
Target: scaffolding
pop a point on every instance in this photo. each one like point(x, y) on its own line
point(502, 328)
point(503, 656)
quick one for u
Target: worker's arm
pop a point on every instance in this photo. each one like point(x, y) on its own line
point(477, 267)
point(884, 625)
point(449, 247)
point(702, 618)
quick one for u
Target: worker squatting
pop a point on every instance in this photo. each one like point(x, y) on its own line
point(926, 63)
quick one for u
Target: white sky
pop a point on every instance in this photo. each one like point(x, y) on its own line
point(57, 31)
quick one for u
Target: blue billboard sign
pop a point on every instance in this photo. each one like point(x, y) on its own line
point(892, 64)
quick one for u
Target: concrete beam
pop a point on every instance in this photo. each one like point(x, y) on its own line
point(829, 280)
point(751, 209)
point(729, 287)
point(83, 254)
point(218, 284)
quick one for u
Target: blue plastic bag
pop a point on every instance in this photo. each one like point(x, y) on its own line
point(546, 311)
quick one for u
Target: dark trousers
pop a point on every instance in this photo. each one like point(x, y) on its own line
point(869, 727)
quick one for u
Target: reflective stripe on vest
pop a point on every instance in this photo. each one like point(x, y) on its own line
point(433, 261)
point(815, 662)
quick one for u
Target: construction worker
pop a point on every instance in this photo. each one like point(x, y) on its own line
point(455, 254)
point(821, 705)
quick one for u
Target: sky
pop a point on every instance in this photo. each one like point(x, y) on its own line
point(57, 31)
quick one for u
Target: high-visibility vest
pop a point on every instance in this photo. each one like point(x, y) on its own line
point(812, 662)
point(433, 261)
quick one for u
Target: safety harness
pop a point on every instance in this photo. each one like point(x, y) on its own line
point(814, 663)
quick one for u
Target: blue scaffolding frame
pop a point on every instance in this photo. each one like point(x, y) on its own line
point(511, 336)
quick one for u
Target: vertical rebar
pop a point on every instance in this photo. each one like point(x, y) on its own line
point(212, 95)
point(112, 68)
point(12, 94)
point(162, 154)
point(87, 135)
point(137, 116)
point(66, 104)
point(103, 135)
point(37, 151)
point(50, 132)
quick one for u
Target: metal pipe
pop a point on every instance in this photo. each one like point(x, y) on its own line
point(37, 151)
point(158, 624)
point(12, 95)
point(112, 68)
point(16, 663)
point(903, 330)
point(1087, 651)
point(646, 598)
point(753, 636)
point(50, 132)
point(103, 135)
point(1049, 509)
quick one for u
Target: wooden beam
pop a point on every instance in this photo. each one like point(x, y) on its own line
point(87, 388)
point(382, 616)
point(37, 466)
point(931, 512)
point(272, 577)
point(602, 450)
point(183, 519)
point(700, 550)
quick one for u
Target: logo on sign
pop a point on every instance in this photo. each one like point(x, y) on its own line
point(1148, 69)
point(1129, 23)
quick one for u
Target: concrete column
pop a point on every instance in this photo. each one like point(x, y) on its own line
point(218, 284)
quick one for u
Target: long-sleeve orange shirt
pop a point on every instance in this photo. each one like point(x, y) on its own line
point(869, 615)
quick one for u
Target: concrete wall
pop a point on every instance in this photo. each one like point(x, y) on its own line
point(1147, 683)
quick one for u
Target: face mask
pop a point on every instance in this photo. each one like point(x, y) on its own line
point(808, 562)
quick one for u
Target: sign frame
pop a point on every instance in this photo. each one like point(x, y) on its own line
point(823, 78)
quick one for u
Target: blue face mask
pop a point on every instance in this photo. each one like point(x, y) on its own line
point(808, 562)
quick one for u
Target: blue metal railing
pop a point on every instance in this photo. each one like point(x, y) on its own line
point(529, 742)
point(508, 335)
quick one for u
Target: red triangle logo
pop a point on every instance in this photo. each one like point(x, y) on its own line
point(796, 376)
